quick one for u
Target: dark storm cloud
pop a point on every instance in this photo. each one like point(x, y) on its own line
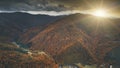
point(56, 5)
point(48, 7)
point(12, 0)
point(30, 5)
point(88, 3)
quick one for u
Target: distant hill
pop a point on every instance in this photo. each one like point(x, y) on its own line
point(14, 24)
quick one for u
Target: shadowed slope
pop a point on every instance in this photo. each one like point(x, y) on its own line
point(14, 24)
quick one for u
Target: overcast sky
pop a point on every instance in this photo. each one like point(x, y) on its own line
point(52, 6)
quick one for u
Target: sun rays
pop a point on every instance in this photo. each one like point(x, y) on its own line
point(100, 13)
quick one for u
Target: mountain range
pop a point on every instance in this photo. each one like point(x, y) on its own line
point(76, 38)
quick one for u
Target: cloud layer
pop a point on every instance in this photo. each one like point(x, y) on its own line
point(50, 13)
point(56, 7)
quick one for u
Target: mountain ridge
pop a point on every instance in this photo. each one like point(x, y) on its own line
point(64, 33)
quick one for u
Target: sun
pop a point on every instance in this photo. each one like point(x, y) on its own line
point(100, 13)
